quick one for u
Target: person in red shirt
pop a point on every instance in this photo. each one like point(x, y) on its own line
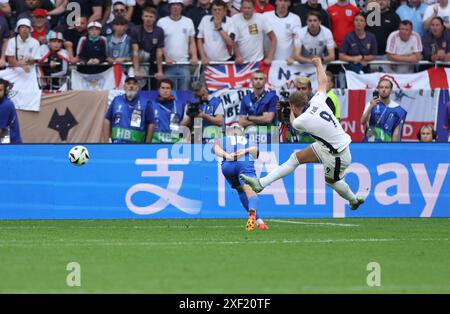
point(342, 15)
point(262, 6)
point(39, 28)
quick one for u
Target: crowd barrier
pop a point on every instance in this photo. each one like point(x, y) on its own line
point(163, 181)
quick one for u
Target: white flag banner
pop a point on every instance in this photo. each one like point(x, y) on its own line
point(112, 78)
point(282, 75)
point(430, 79)
point(231, 100)
point(25, 92)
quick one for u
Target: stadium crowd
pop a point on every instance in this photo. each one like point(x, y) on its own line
point(163, 38)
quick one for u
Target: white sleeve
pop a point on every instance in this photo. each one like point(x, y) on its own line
point(319, 99)
point(36, 55)
point(299, 124)
point(390, 46)
point(191, 28)
point(266, 25)
point(428, 12)
point(201, 27)
point(10, 48)
point(329, 37)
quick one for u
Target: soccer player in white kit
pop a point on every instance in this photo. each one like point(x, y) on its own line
point(330, 149)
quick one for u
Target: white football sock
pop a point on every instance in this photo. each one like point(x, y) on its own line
point(280, 171)
point(259, 221)
point(342, 188)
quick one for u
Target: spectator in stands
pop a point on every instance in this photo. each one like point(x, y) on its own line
point(130, 117)
point(383, 118)
point(426, 134)
point(9, 123)
point(118, 44)
point(33, 5)
point(284, 25)
point(147, 42)
point(332, 99)
point(215, 38)
point(106, 12)
point(54, 62)
point(198, 11)
point(263, 6)
point(389, 23)
point(206, 107)
point(359, 47)
point(436, 42)
point(404, 45)
point(441, 9)
point(251, 29)
point(93, 9)
point(169, 113)
point(413, 11)
point(163, 7)
point(4, 31)
point(342, 15)
point(179, 43)
point(119, 10)
point(91, 49)
point(302, 11)
point(72, 36)
point(259, 107)
point(39, 28)
point(56, 11)
point(22, 50)
point(313, 40)
point(129, 7)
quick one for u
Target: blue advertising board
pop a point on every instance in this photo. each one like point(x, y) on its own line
point(170, 181)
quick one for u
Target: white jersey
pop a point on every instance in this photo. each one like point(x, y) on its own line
point(250, 35)
point(215, 47)
point(444, 13)
point(284, 28)
point(396, 46)
point(318, 121)
point(176, 37)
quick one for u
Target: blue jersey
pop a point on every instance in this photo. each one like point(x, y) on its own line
point(253, 106)
point(210, 108)
point(129, 119)
point(168, 117)
point(383, 121)
point(9, 121)
point(244, 165)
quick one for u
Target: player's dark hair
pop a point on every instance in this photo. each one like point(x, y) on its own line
point(219, 3)
point(439, 19)
point(150, 10)
point(120, 21)
point(298, 99)
point(167, 81)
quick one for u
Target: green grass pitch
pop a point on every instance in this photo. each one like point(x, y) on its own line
point(219, 256)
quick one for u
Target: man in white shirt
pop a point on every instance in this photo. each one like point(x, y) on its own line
point(313, 40)
point(250, 30)
point(404, 45)
point(22, 50)
point(331, 148)
point(284, 25)
point(441, 9)
point(215, 38)
point(179, 43)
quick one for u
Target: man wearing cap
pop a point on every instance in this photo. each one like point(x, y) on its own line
point(39, 27)
point(91, 49)
point(179, 43)
point(130, 117)
point(22, 50)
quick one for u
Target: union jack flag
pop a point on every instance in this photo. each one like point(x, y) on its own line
point(230, 75)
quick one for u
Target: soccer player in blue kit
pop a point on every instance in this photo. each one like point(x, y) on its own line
point(238, 155)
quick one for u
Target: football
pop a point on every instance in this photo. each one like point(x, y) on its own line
point(78, 155)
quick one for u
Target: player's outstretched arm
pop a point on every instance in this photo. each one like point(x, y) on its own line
point(321, 76)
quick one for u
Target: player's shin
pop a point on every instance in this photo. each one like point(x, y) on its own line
point(342, 188)
point(281, 171)
point(244, 199)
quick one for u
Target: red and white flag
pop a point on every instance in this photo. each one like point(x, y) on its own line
point(430, 79)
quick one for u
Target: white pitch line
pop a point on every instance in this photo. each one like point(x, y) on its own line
point(312, 223)
point(196, 242)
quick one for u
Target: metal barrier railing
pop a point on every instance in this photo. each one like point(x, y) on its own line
point(196, 71)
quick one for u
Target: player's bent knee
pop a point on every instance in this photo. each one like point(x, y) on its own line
point(330, 181)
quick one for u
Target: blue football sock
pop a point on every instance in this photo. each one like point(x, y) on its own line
point(244, 199)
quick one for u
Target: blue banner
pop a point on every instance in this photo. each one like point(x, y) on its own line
point(164, 181)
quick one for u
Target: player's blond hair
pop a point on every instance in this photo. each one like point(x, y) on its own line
point(298, 99)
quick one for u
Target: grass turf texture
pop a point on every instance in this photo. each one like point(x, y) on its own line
point(219, 256)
